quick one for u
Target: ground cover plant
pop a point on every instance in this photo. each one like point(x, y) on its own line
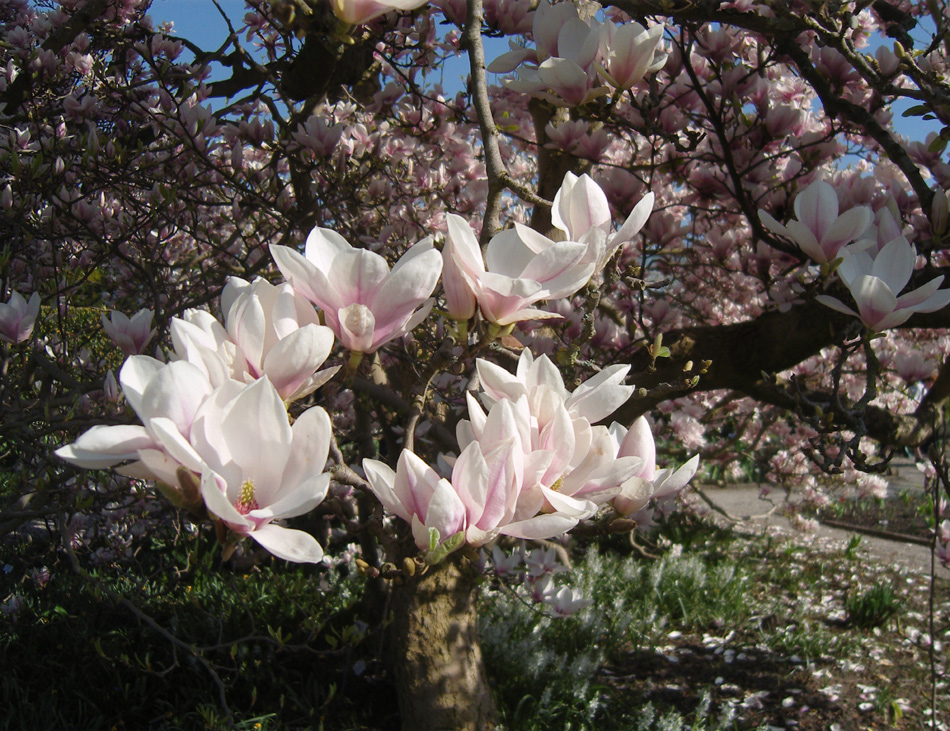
point(728, 631)
point(295, 295)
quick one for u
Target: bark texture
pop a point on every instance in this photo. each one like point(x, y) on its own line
point(435, 657)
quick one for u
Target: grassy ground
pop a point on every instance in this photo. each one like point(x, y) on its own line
point(713, 631)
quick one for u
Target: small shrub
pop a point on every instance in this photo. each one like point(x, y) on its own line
point(872, 608)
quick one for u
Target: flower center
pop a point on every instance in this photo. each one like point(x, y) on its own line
point(246, 502)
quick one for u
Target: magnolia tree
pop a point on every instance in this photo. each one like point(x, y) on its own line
point(646, 232)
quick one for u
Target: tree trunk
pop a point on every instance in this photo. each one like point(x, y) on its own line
point(434, 654)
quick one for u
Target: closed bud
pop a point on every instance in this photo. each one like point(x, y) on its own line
point(409, 566)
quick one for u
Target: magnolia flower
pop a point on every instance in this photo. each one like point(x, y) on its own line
point(629, 52)
point(649, 483)
point(819, 231)
point(521, 267)
point(257, 468)
point(268, 330)
point(131, 334)
point(489, 476)
point(166, 397)
point(417, 494)
point(582, 212)
point(593, 400)
point(566, 455)
point(357, 12)
point(363, 302)
point(875, 284)
point(17, 317)
point(279, 334)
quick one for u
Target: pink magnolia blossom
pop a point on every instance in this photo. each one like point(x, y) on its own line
point(876, 283)
point(582, 212)
point(357, 12)
point(417, 494)
point(491, 472)
point(132, 334)
point(364, 303)
point(17, 317)
point(165, 397)
point(629, 52)
point(256, 468)
point(818, 230)
point(649, 483)
point(521, 267)
point(279, 334)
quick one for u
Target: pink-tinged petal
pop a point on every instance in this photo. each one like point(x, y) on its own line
point(294, 359)
point(635, 494)
point(497, 382)
point(817, 207)
point(509, 61)
point(247, 326)
point(854, 264)
point(540, 527)
point(233, 289)
point(303, 276)
point(175, 392)
point(410, 283)
point(598, 397)
point(135, 375)
point(874, 298)
point(566, 79)
point(635, 221)
point(921, 294)
point(415, 481)
point(310, 446)
point(774, 226)
point(288, 543)
point(313, 383)
point(894, 264)
point(175, 445)
point(562, 269)
point(303, 498)
point(357, 326)
point(572, 41)
point(807, 242)
point(104, 446)
point(323, 247)
point(892, 319)
point(835, 304)
point(256, 429)
point(459, 294)
point(639, 442)
point(926, 298)
point(356, 277)
point(463, 247)
point(511, 251)
point(382, 480)
point(446, 511)
point(580, 205)
point(557, 436)
point(678, 479)
point(219, 503)
point(503, 464)
point(848, 227)
point(357, 12)
point(470, 481)
point(568, 506)
point(153, 465)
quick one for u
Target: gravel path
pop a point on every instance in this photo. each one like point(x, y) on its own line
point(765, 515)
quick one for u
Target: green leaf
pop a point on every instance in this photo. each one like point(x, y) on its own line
point(917, 110)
